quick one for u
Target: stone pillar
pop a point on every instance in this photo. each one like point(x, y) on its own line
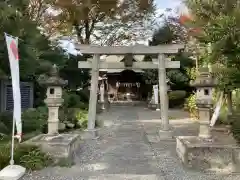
point(93, 94)
point(53, 120)
point(204, 120)
point(165, 132)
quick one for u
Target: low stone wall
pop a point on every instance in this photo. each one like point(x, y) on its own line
point(208, 156)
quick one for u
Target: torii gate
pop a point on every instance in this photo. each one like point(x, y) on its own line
point(95, 64)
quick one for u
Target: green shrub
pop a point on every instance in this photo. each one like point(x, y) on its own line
point(82, 118)
point(76, 116)
point(190, 105)
point(26, 155)
point(178, 94)
point(72, 105)
point(34, 119)
point(176, 98)
point(84, 95)
point(82, 105)
point(6, 122)
point(73, 100)
point(3, 128)
point(67, 115)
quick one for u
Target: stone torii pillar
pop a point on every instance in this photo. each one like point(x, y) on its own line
point(165, 132)
point(91, 132)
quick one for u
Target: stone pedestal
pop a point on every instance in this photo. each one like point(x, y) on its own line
point(204, 155)
point(103, 106)
point(62, 146)
point(91, 134)
point(166, 134)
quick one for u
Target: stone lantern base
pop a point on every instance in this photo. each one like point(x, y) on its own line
point(62, 146)
point(202, 154)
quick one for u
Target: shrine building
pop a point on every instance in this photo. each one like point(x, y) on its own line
point(123, 84)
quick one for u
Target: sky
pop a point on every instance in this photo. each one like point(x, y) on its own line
point(163, 4)
point(175, 5)
point(167, 4)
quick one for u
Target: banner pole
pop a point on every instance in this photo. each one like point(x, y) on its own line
point(12, 147)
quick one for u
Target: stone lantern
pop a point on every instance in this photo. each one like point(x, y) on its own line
point(202, 152)
point(204, 84)
point(54, 99)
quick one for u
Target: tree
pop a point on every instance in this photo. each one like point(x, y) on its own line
point(91, 19)
point(169, 33)
point(37, 53)
point(219, 21)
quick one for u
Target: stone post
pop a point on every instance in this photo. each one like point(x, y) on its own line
point(204, 84)
point(54, 99)
point(93, 97)
point(165, 132)
point(102, 94)
point(156, 97)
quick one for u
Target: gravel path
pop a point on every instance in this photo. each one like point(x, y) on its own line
point(128, 150)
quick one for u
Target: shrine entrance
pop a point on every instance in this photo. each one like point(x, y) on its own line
point(161, 63)
point(127, 85)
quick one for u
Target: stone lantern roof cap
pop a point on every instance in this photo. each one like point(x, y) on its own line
point(204, 79)
point(54, 79)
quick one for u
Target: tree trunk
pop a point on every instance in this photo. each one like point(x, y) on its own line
point(229, 103)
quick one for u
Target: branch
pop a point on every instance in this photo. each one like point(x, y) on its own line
point(87, 31)
point(78, 31)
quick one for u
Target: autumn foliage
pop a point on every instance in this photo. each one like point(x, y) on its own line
point(188, 22)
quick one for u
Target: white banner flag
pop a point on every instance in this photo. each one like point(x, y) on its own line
point(155, 91)
point(12, 46)
point(217, 110)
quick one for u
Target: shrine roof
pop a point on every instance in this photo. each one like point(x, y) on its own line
point(120, 70)
point(119, 58)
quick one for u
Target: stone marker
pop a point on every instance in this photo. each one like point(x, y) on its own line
point(156, 97)
point(203, 151)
